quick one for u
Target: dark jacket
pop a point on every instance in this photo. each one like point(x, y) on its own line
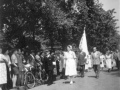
point(81, 58)
point(48, 63)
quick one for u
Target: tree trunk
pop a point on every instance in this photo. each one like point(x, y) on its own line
point(64, 41)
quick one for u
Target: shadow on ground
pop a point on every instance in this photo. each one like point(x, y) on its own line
point(92, 76)
point(68, 82)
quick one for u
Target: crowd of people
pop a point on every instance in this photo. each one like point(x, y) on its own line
point(63, 63)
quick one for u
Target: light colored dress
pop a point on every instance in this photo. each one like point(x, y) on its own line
point(70, 68)
point(88, 62)
point(3, 70)
point(102, 57)
point(113, 61)
point(8, 61)
point(109, 61)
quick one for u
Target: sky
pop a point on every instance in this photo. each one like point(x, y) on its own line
point(110, 4)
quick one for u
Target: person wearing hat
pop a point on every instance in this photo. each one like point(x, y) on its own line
point(96, 61)
point(49, 66)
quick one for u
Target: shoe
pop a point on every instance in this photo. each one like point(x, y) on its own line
point(71, 82)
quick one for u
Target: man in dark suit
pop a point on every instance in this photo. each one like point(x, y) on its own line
point(81, 62)
point(49, 66)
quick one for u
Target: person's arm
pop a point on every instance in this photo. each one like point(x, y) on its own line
point(9, 61)
point(74, 56)
point(4, 59)
point(13, 58)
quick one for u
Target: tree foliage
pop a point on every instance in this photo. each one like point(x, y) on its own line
point(58, 22)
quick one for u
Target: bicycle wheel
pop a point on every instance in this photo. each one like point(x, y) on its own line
point(29, 80)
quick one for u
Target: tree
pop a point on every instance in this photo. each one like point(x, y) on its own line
point(62, 22)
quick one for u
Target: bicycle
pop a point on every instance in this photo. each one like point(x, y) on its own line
point(40, 75)
point(32, 76)
point(29, 79)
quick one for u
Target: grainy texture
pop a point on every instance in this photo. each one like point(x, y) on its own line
point(107, 81)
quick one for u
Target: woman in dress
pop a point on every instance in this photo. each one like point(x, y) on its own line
point(108, 60)
point(102, 58)
point(70, 68)
point(8, 66)
point(3, 70)
point(89, 62)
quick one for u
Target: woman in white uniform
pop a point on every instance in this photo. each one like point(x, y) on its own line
point(70, 59)
point(109, 60)
point(3, 70)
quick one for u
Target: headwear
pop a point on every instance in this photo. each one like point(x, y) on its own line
point(70, 47)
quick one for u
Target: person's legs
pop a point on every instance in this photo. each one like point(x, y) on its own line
point(50, 76)
point(22, 78)
point(118, 65)
point(83, 70)
point(80, 70)
point(1, 87)
point(94, 67)
point(71, 79)
point(14, 80)
point(98, 70)
point(19, 78)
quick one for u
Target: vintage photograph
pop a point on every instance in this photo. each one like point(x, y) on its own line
point(59, 44)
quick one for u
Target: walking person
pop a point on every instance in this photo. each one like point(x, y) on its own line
point(96, 61)
point(108, 60)
point(3, 70)
point(70, 59)
point(82, 62)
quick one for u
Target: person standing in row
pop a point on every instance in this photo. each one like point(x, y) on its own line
point(8, 66)
point(96, 61)
point(62, 64)
point(49, 66)
point(14, 67)
point(20, 59)
point(3, 70)
point(81, 62)
point(39, 63)
point(70, 69)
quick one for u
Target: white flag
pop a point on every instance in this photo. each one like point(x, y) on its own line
point(83, 43)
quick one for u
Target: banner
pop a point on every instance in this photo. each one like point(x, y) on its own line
point(83, 43)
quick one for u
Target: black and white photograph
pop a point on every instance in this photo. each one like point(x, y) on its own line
point(59, 44)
